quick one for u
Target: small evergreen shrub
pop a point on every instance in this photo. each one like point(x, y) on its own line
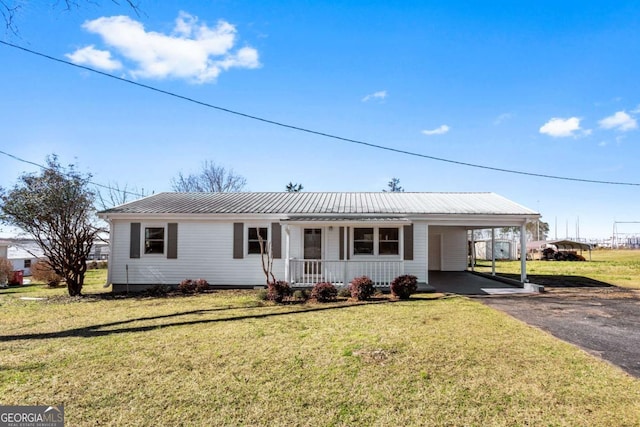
point(362, 288)
point(187, 286)
point(324, 292)
point(344, 292)
point(301, 295)
point(277, 290)
point(403, 286)
point(158, 291)
point(262, 295)
point(201, 285)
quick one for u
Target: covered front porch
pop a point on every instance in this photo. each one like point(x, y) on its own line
point(327, 249)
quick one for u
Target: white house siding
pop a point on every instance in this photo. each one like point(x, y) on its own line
point(453, 247)
point(205, 250)
point(418, 266)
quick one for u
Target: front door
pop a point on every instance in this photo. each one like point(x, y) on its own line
point(312, 250)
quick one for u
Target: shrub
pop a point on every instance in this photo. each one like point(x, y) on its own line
point(262, 295)
point(6, 270)
point(42, 272)
point(403, 286)
point(201, 285)
point(187, 286)
point(344, 292)
point(324, 292)
point(277, 290)
point(158, 291)
point(362, 288)
point(301, 295)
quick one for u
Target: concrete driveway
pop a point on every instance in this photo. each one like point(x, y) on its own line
point(604, 321)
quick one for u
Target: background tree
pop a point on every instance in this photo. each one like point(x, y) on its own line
point(10, 9)
point(294, 188)
point(56, 208)
point(113, 195)
point(211, 179)
point(394, 186)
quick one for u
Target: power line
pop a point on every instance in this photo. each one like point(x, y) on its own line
point(90, 182)
point(315, 132)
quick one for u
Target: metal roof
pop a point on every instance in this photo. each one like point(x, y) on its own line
point(333, 203)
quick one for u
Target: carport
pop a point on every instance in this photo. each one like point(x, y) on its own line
point(468, 283)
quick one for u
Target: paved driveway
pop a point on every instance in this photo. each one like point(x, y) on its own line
point(604, 321)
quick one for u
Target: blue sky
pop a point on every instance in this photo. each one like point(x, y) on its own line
point(545, 87)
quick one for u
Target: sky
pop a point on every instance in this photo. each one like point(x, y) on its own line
point(546, 87)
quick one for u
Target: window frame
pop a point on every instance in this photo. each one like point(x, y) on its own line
point(248, 241)
point(146, 239)
point(377, 242)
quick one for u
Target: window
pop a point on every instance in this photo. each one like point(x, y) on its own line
point(253, 241)
point(363, 241)
point(154, 240)
point(27, 263)
point(388, 243)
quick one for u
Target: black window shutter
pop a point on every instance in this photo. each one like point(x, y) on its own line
point(408, 242)
point(172, 242)
point(238, 240)
point(134, 240)
point(276, 240)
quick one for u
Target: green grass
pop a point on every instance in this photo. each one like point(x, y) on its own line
point(616, 267)
point(227, 359)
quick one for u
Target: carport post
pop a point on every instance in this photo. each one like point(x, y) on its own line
point(523, 253)
point(493, 251)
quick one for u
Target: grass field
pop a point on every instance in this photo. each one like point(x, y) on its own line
point(226, 358)
point(616, 267)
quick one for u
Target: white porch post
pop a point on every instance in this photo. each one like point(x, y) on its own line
point(523, 253)
point(473, 250)
point(426, 272)
point(493, 251)
point(345, 263)
point(287, 254)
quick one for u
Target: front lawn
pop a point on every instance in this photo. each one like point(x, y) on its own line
point(224, 358)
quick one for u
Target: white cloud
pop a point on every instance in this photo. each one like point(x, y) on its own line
point(620, 121)
point(558, 127)
point(380, 95)
point(93, 57)
point(502, 118)
point(193, 51)
point(437, 131)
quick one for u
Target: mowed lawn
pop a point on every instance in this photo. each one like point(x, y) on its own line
point(225, 358)
point(619, 267)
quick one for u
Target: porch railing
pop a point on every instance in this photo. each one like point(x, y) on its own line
point(308, 272)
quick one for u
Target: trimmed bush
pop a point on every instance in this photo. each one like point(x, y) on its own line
point(301, 295)
point(276, 291)
point(42, 272)
point(361, 288)
point(403, 286)
point(344, 291)
point(158, 291)
point(201, 285)
point(262, 295)
point(187, 286)
point(324, 292)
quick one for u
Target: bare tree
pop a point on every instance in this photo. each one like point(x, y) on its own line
point(113, 195)
point(56, 208)
point(9, 9)
point(211, 179)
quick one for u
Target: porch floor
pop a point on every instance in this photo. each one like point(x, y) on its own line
point(465, 283)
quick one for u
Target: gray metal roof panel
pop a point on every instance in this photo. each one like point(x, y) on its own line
point(322, 203)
